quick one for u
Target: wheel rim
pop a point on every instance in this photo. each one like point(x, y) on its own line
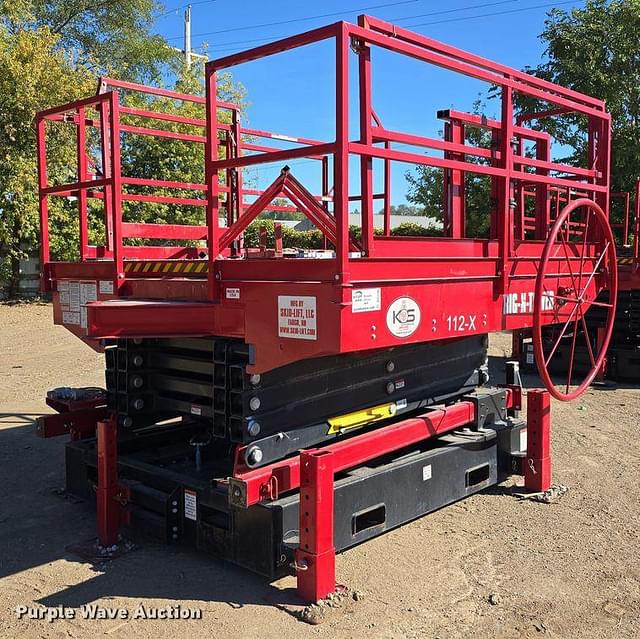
point(576, 299)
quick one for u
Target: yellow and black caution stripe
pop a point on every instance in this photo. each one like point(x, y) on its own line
point(625, 260)
point(184, 267)
point(361, 418)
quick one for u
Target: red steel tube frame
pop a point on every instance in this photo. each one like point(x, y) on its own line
point(356, 450)
point(315, 556)
point(371, 31)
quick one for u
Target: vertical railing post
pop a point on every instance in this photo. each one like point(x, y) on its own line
point(211, 177)
point(625, 227)
point(455, 196)
point(235, 124)
point(505, 227)
point(341, 156)
point(116, 187)
point(316, 557)
point(83, 222)
point(43, 179)
point(542, 203)
point(636, 229)
point(366, 138)
point(325, 192)
point(495, 186)
point(537, 467)
point(105, 118)
point(230, 204)
point(387, 193)
point(108, 507)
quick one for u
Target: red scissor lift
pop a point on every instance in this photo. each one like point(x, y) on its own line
point(272, 408)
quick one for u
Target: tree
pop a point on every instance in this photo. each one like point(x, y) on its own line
point(50, 53)
point(404, 209)
point(594, 49)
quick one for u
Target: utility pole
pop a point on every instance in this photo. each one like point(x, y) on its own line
point(187, 36)
point(189, 55)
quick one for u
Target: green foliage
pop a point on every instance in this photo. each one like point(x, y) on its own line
point(594, 49)
point(314, 239)
point(404, 209)
point(34, 73)
point(50, 54)
point(103, 37)
point(290, 237)
point(412, 229)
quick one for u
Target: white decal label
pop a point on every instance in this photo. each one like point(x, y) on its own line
point(403, 317)
point(232, 293)
point(520, 303)
point(88, 293)
point(63, 285)
point(190, 505)
point(71, 317)
point(523, 440)
point(426, 472)
point(64, 299)
point(297, 317)
point(401, 403)
point(74, 297)
point(365, 299)
point(196, 410)
point(106, 287)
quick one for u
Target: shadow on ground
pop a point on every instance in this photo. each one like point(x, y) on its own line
point(38, 523)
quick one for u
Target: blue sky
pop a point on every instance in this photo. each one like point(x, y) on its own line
point(292, 93)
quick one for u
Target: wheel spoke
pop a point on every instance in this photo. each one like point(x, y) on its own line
point(564, 330)
point(573, 351)
point(595, 270)
point(603, 304)
point(575, 301)
point(586, 337)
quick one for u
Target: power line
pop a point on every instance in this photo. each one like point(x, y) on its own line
point(322, 15)
point(495, 13)
point(221, 45)
point(184, 6)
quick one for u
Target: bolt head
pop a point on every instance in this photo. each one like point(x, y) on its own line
point(390, 366)
point(254, 380)
point(254, 429)
point(391, 387)
point(254, 403)
point(255, 456)
point(138, 404)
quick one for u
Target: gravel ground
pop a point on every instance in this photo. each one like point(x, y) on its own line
point(491, 566)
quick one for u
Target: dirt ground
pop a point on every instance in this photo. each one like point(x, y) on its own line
point(491, 566)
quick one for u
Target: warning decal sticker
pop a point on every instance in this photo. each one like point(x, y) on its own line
point(297, 317)
point(190, 505)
